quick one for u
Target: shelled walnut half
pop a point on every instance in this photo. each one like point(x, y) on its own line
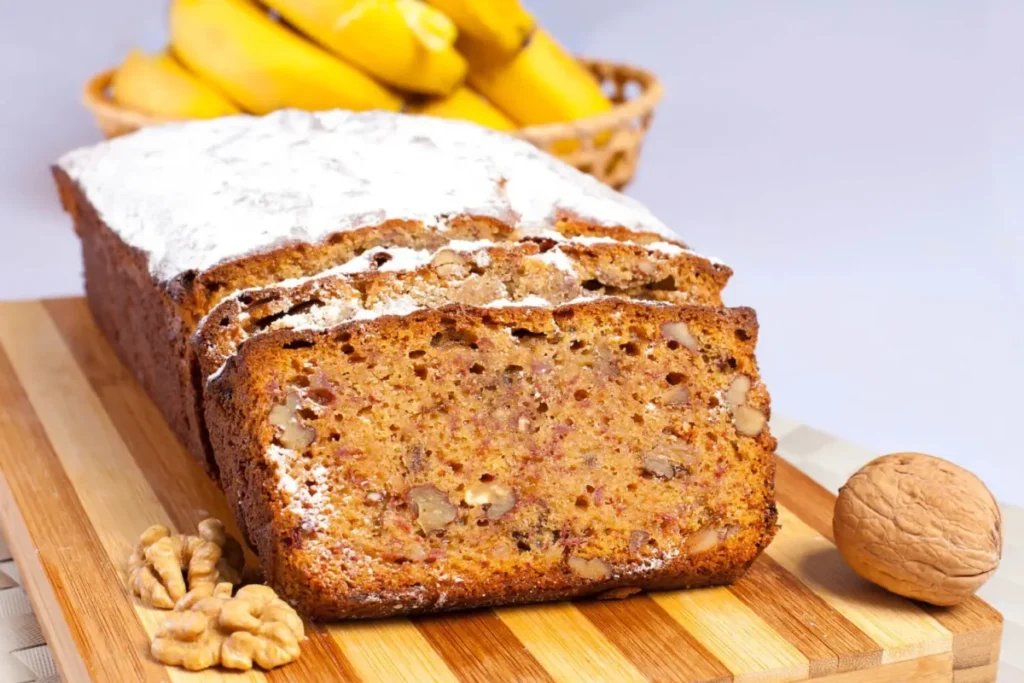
point(164, 567)
point(209, 627)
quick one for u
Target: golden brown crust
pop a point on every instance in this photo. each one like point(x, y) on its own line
point(722, 511)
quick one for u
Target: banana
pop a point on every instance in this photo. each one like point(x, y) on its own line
point(263, 65)
point(466, 105)
point(499, 26)
point(157, 84)
point(403, 43)
point(542, 84)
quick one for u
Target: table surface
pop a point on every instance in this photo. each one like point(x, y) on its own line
point(25, 657)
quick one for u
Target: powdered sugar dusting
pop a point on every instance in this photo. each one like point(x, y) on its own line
point(557, 258)
point(529, 300)
point(196, 194)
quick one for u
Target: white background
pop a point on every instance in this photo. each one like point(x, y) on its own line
point(859, 163)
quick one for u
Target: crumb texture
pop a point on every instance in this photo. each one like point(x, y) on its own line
point(469, 456)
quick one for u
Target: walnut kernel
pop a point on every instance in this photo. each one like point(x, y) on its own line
point(638, 539)
point(294, 435)
point(676, 396)
point(737, 394)
point(920, 527)
point(448, 263)
point(209, 627)
point(679, 332)
point(499, 498)
point(432, 509)
point(163, 567)
point(704, 540)
point(659, 466)
point(593, 569)
point(749, 421)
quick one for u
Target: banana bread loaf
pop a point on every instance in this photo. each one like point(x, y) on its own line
point(430, 366)
point(175, 218)
point(463, 456)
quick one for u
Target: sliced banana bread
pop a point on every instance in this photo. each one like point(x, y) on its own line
point(477, 455)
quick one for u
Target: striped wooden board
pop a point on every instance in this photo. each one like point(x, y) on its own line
point(87, 463)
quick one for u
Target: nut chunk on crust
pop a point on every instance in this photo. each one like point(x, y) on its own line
point(163, 567)
point(209, 627)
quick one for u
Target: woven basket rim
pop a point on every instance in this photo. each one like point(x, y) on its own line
point(97, 99)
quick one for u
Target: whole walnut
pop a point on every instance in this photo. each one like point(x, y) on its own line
point(920, 527)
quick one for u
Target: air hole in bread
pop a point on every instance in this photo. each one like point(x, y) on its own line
point(477, 369)
point(418, 353)
point(742, 335)
point(454, 337)
point(523, 333)
point(667, 284)
point(631, 349)
point(298, 344)
point(674, 378)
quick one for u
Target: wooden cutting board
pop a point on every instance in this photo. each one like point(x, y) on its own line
point(87, 463)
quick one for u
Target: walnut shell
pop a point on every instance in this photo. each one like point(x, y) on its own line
point(920, 527)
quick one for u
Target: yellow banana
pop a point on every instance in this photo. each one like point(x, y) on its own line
point(263, 65)
point(499, 26)
point(157, 84)
point(403, 43)
point(466, 105)
point(542, 84)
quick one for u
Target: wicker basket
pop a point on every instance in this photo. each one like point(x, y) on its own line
point(607, 145)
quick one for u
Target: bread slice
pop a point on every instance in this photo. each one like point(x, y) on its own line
point(480, 455)
point(473, 273)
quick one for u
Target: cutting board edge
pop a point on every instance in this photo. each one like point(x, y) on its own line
point(41, 593)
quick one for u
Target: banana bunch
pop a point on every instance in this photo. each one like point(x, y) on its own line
point(484, 61)
point(158, 84)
